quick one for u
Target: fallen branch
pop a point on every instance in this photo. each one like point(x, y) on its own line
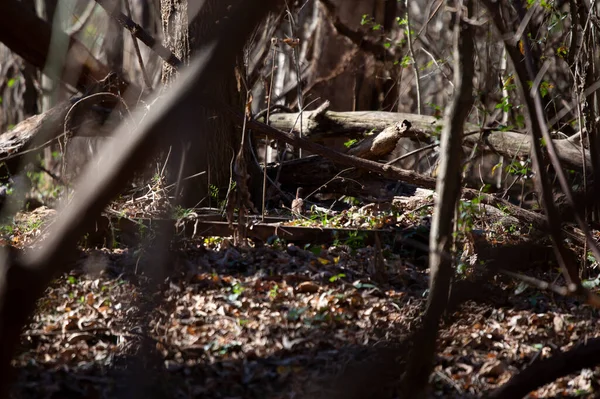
point(39, 131)
point(330, 124)
point(545, 371)
point(530, 218)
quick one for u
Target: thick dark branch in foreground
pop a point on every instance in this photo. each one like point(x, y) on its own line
point(23, 280)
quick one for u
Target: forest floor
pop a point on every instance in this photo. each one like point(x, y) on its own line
point(276, 320)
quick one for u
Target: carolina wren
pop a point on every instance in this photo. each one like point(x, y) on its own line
point(298, 202)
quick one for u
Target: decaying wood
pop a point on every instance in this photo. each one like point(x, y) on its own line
point(201, 227)
point(319, 124)
point(42, 129)
point(536, 220)
point(81, 70)
point(330, 124)
point(38, 131)
point(24, 278)
point(379, 145)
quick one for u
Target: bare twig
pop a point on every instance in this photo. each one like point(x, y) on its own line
point(138, 54)
point(535, 118)
point(419, 366)
point(412, 55)
point(269, 96)
point(83, 19)
point(296, 62)
point(140, 33)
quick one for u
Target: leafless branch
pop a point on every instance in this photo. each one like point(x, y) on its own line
point(139, 32)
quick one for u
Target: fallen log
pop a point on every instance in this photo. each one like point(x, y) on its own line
point(379, 145)
point(406, 176)
point(81, 70)
point(41, 128)
point(319, 125)
point(38, 131)
point(584, 355)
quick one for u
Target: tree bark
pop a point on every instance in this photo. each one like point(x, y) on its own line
point(215, 139)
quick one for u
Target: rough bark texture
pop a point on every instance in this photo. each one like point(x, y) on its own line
point(214, 140)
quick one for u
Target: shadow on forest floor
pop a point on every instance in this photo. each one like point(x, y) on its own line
point(278, 321)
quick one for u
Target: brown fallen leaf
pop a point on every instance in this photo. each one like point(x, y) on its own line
point(307, 287)
point(493, 369)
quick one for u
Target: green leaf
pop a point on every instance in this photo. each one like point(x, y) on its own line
point(358, 285)
point(350, 143)
point(11, 82)
point(335, 278)
point(589, 284)
point(406, 61)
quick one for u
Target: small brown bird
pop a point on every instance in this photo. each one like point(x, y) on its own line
point(298, 203)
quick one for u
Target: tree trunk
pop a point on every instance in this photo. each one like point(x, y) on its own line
point(215, 138)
